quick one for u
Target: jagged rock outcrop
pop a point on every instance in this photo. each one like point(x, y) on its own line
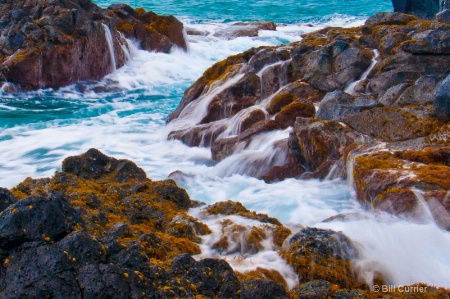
point(52, 43)
point(377, 88)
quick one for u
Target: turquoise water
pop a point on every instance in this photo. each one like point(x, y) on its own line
point(288, 11)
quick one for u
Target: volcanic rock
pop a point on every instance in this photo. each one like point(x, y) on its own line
point(332, 252)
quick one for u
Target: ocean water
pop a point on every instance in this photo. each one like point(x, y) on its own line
point(39, 129)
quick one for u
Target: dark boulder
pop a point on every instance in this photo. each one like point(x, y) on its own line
point(37, 219)
point(181, 264)
point(441, 100)
point(6, 199)
point(33, 268)
point(258, 288)
point(213, 278)
point(95, 165)
point(316, 289)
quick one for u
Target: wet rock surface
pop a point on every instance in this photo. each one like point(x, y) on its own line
point(322, 254)
point(56, 43)
point(377, 88)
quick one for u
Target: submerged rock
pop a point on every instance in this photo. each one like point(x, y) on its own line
point(57, 43)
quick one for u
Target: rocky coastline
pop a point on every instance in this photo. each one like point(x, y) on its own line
point(101, 229)
point(370, 105)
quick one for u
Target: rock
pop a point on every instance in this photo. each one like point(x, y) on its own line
point(321, 143)
point(74, 41)
point(330, 66)
point(422, 9)
point(6, 199)
point(396, 60)
point(322, 254)
point(441, 101)
point(279, 101)
point(392, 94)
point(213, 278)
point(169, 191)
point(257, 288)
point(215, 72)
point(389, 124)
point(301, 90)
point(390, 18)
point(381, 182)
point(443, 16)
point(187, 227)
point(432, 42)
point(120, 230)
point(65, 40)
point(95, 165)
point(287, 116)
point(155, 33)
point(37, 219)
point(246, 239)
point(251, 119)
point(338, 104)
point(422, 92)
point(240, 29)
point(181, 264)
point(243, 94)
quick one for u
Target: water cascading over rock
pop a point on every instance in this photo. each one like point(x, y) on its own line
point(368, 104)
